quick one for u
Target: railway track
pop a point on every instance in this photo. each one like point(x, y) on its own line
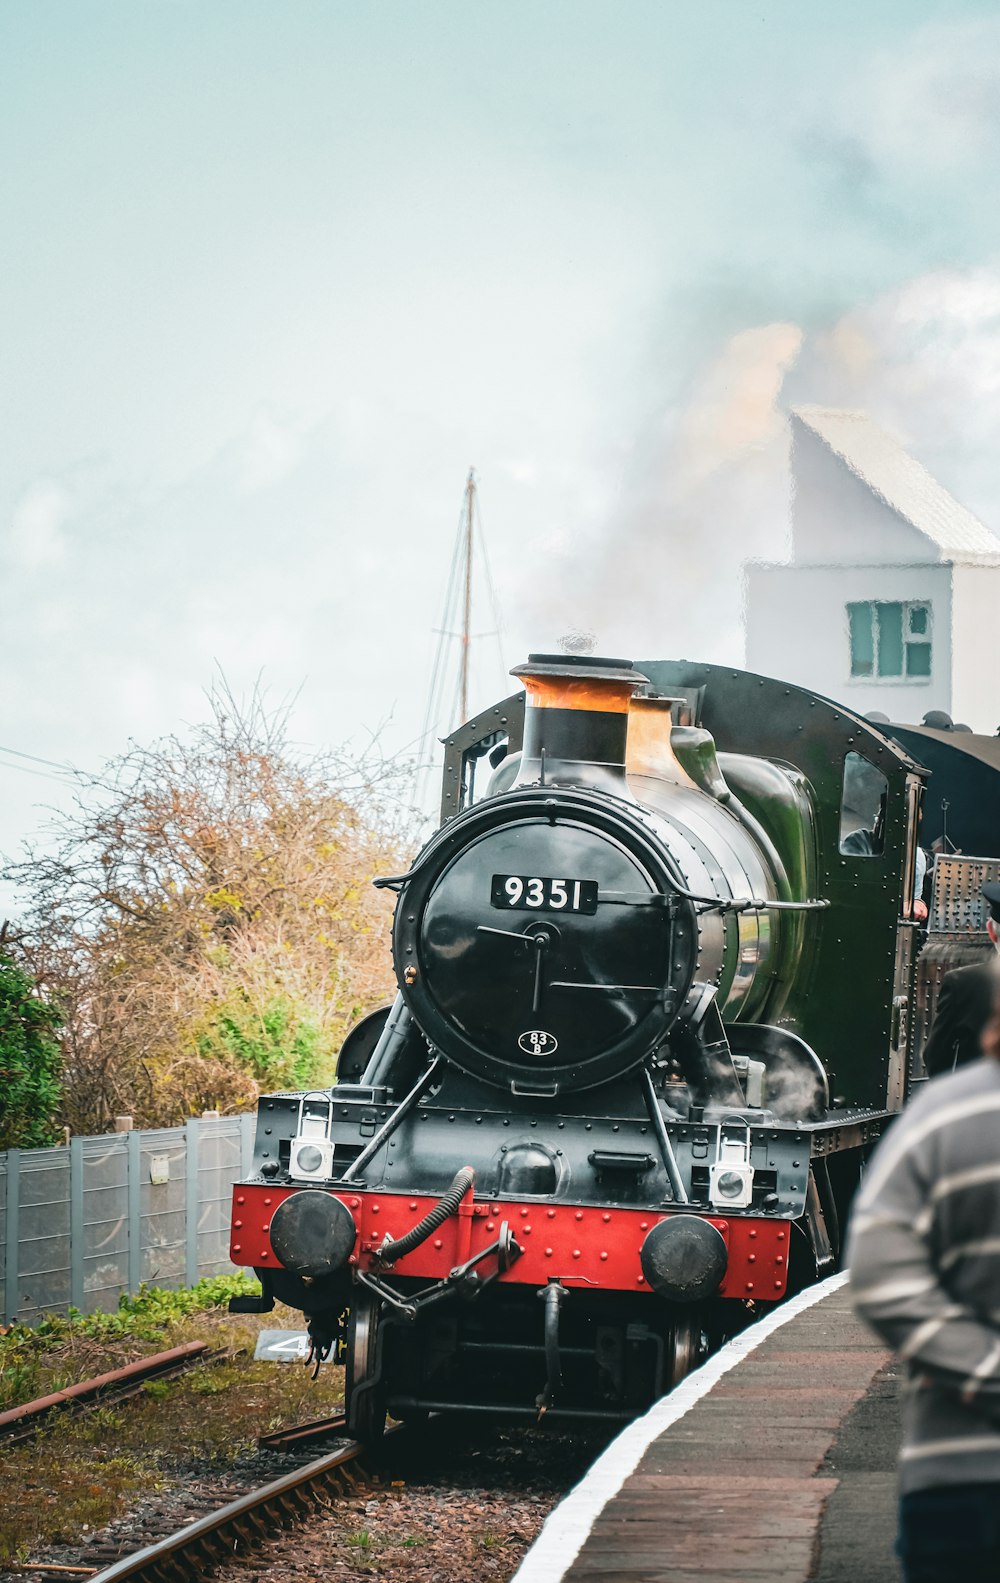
point(303, 1434)
point(240, 1526)
point(199, 1545)
point(415, 1490)
point(20, 1423)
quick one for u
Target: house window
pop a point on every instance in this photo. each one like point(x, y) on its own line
point(890, 639)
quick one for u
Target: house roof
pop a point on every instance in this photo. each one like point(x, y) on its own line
point(907, 488)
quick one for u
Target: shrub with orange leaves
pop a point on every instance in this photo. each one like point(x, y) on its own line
point(205, 917)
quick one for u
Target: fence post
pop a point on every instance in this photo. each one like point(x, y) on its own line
point(133, 1145)
point(248, 1130)
point(76, 1224)
point(12, 1279)
point(192, 1139)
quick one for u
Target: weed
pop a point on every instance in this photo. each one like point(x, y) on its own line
point(106, 1421)
point(18, 1382)
point(144, 1317)
point(83, 1490)
point(209, 1384)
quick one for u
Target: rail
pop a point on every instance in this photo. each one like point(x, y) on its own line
point(239, 1526)
point(18, 1423)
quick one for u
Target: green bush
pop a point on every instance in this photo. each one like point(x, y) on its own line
point(146, 1315)
point(279, 1042)
point(30, 1062)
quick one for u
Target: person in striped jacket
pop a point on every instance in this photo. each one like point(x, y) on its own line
point(924, 1260)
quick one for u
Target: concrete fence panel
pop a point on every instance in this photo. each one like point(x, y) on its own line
point(84, 1224)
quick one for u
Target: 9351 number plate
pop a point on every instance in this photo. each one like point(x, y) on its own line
point(530, 893)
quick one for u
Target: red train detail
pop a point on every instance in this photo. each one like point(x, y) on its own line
point(578, 1246)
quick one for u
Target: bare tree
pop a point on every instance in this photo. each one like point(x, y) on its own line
point(205, 916)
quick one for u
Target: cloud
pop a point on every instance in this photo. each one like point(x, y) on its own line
point(933, 107)
point(36, 537)
point(963, 298)
point(924, 360)
point(904, 149)
point(708, 485)
point(268, 452)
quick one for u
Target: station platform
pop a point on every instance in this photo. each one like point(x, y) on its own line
point(775, 1462)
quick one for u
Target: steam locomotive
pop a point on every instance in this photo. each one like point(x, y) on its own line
point(655, 997)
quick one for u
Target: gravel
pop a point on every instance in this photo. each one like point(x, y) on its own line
point(452, 1506)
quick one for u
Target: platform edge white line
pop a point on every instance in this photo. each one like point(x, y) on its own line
point(568, 1526)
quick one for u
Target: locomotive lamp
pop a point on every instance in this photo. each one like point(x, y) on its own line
point(730, 1179)
point(311, 1152)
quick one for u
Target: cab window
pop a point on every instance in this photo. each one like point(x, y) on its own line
point(862, 808)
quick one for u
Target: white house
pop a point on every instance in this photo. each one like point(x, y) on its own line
point(891, 598)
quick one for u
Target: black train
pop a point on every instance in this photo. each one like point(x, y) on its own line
point(654, 1004)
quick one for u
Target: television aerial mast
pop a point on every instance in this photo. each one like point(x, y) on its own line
point(451, 685)
point(467, 544)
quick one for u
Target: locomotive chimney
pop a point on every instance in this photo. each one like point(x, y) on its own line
point(576, 720)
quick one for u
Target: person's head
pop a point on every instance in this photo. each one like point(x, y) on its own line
point(991, 896)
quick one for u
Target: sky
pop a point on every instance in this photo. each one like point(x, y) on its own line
point(273, 277)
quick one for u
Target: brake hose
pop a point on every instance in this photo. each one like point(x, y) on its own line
point(391, 1250)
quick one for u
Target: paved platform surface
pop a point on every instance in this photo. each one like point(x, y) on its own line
point(781, 1471)
point(859, 1520)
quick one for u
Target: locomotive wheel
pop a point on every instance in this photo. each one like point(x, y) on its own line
point(365, 1391)
point(686, 1347)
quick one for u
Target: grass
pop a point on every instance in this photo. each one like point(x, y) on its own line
point(75, 1498)
point(36, 1359)
point(84, 1469)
